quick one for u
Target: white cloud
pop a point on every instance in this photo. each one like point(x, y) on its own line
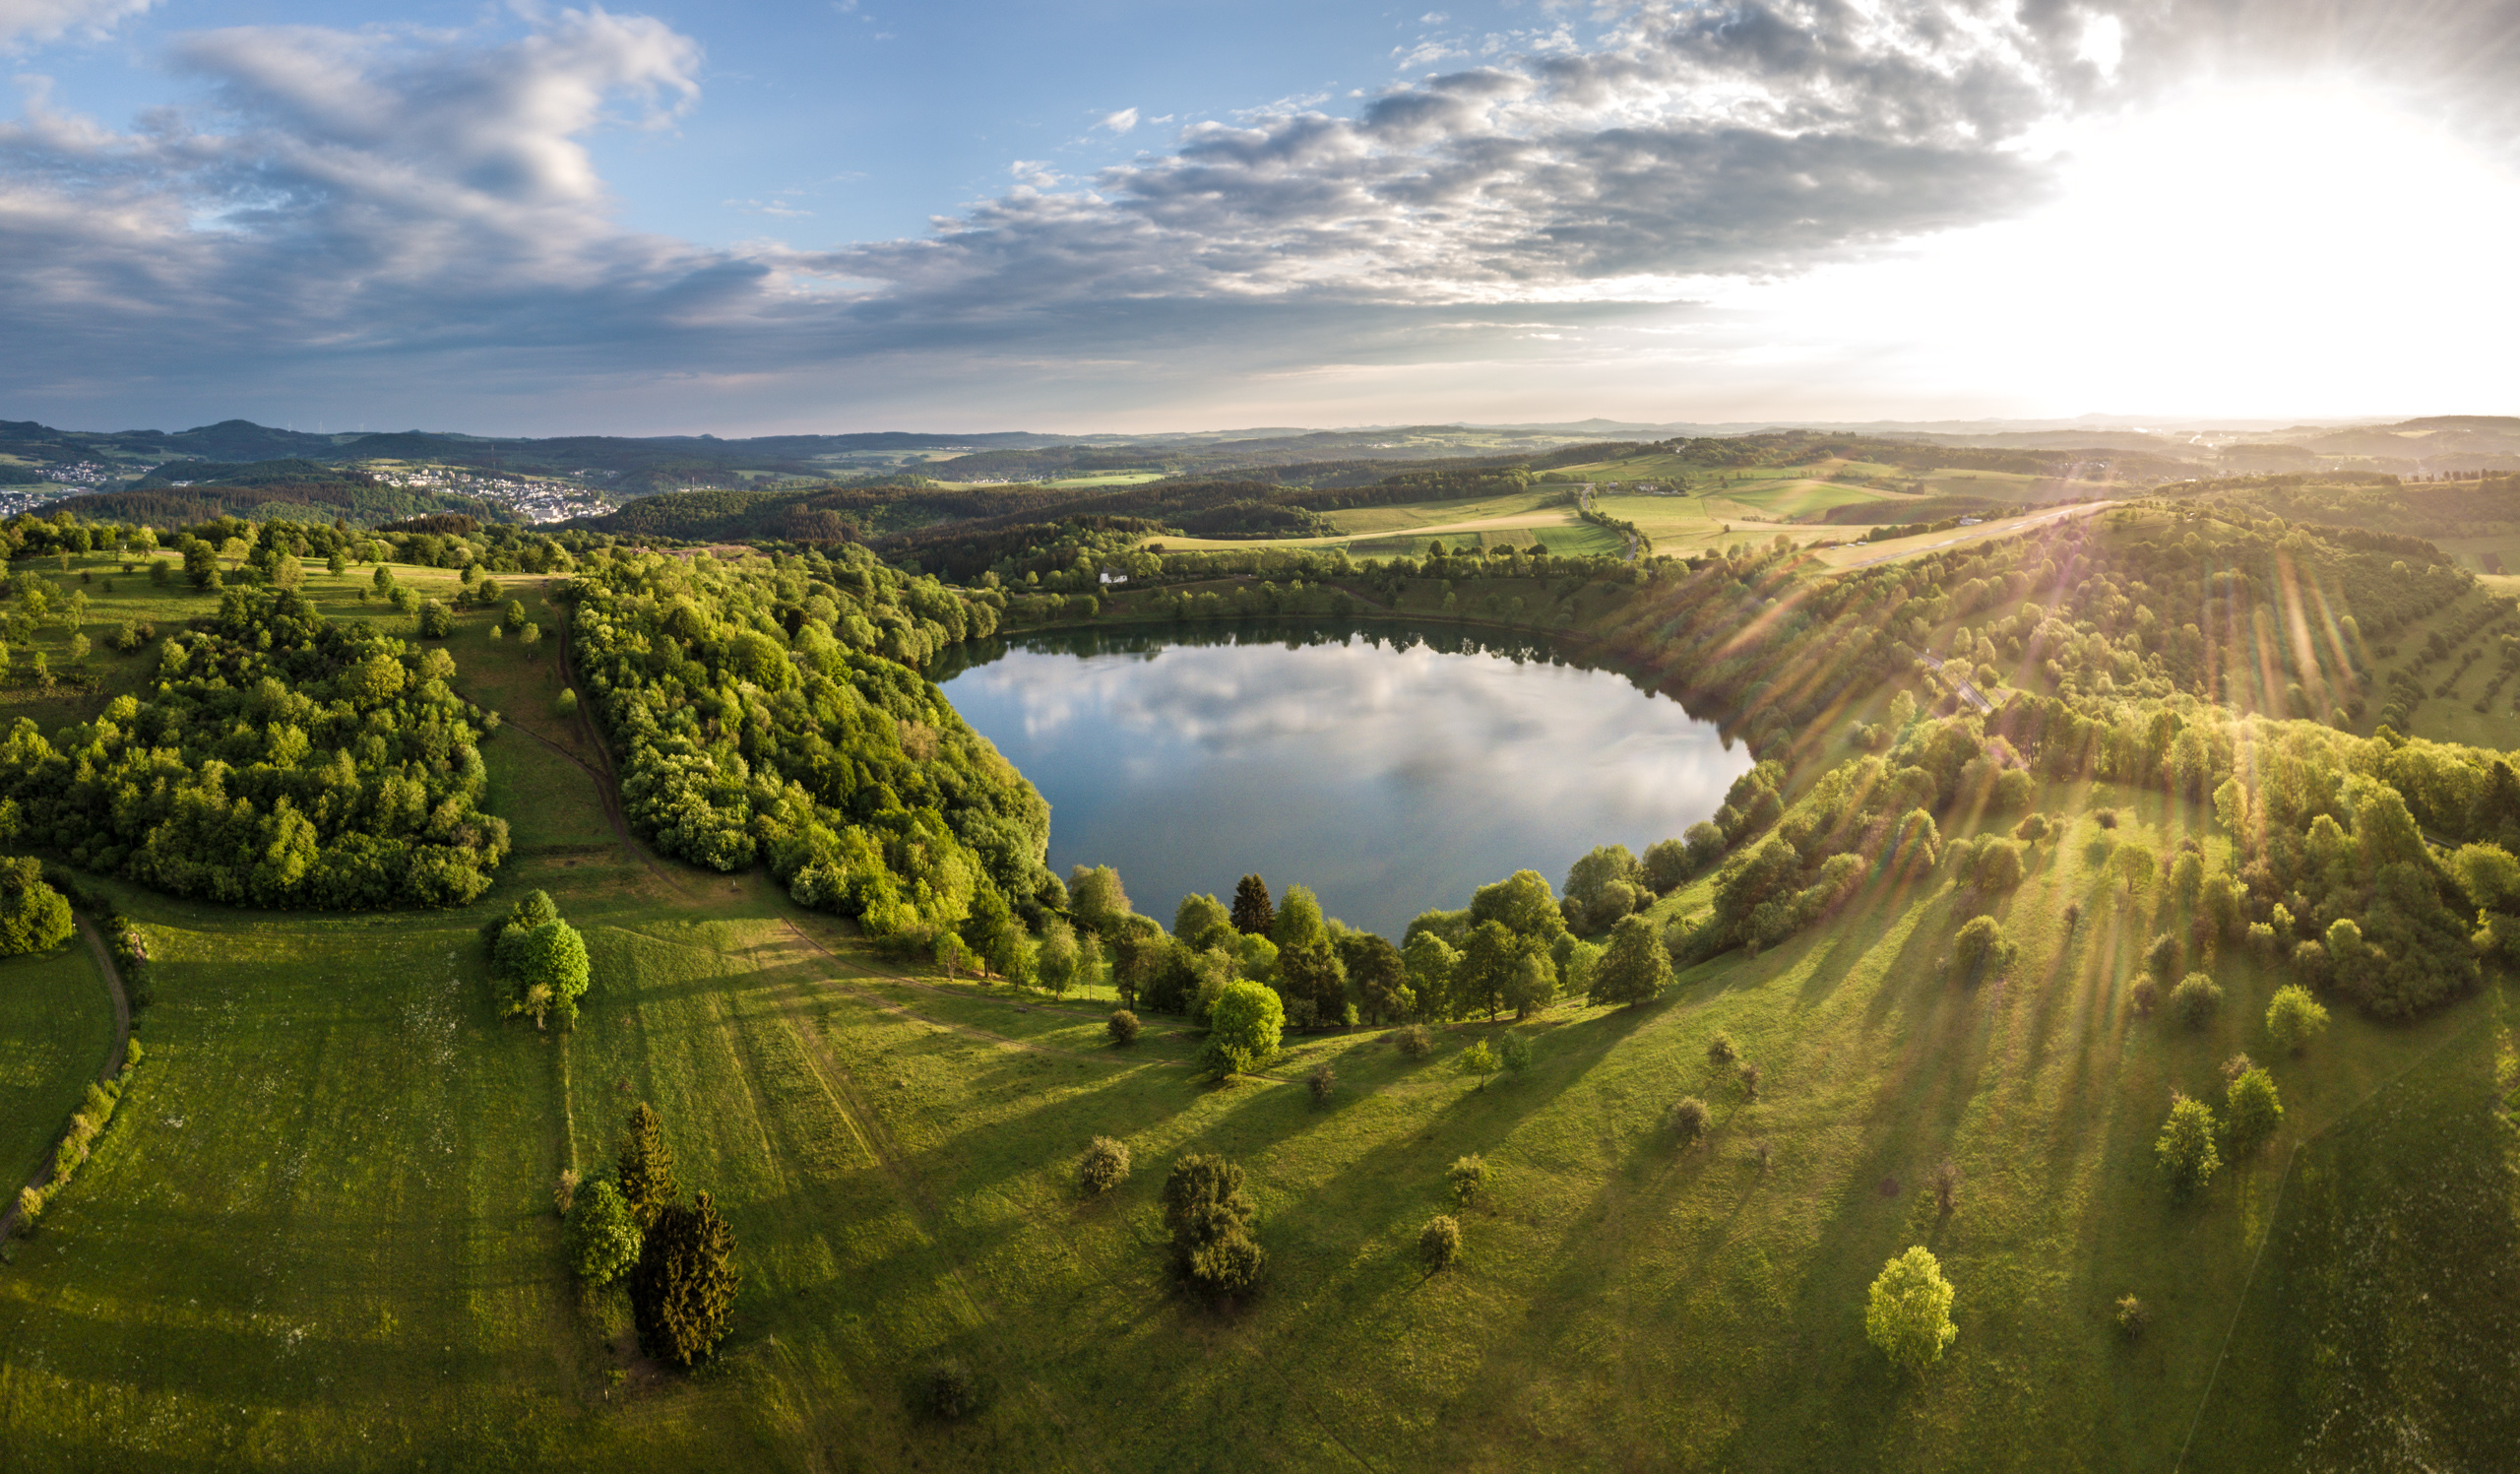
point(369, 211)
point(1119, 122)
point(32, 21)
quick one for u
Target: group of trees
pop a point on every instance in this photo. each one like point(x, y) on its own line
point(280, 760)
point(676, 1257)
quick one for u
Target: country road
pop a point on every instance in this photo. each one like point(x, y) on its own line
point(2005, 530)
point(1968, 688)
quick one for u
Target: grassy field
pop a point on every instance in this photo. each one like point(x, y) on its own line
point(320, 1234)
point(56, 1025)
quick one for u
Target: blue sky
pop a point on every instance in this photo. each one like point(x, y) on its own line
point(1164, 215)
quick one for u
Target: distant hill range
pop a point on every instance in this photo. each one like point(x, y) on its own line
point(227, 461)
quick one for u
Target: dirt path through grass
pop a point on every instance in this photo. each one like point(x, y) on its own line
point(113, 1057)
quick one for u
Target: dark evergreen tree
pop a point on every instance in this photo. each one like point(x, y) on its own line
point(1253, 914)
point(648, 1181)
point(683, 1292)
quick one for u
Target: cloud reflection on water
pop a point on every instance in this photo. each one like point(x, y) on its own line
point(1389, 779)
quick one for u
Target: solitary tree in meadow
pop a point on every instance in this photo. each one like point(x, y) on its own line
point(2185, 1147)
point(1439, 1242)
point(2295, 1018)
point(2251, 1111)
point(553, 956)
point(1908, 1312)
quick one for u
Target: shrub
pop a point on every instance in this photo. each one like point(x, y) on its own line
point(1908, 1312)
point(2132, 1317)
point(1999, 867)
point(2185, 1146)
point(2161, 958)
point(1413, 1042)
point(1439, 1242)
point(1122, 1026)
point(2144, 996)
point(2105, 818)
point(1515, 1051)
point(1468, 1176)
point(2295, 1018)
point(1946, 1179)
point(564, 1192)
point(603, 1239)
point(1690, 1120)
point(1210, 1218)
point(1106, 1165)
point(1720, 1051)
point(1981, 951)
point(2194, 1000)
point(565, 704)
point(1480, 1060)
point(1321, 1082)
point(1749, 1080)
point(951, 1392)
point(1243, 1029)
point(2073, 916)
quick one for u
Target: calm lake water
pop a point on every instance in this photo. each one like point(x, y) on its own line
point(1391, 770)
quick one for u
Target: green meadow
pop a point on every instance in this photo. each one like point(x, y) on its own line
point(321, 1234)
point(56, 1025)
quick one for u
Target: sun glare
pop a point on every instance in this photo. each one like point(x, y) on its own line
point(2248, 252)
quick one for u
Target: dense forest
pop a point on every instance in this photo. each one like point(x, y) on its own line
point(769, 710)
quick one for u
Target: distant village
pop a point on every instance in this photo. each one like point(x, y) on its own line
point(534, 499)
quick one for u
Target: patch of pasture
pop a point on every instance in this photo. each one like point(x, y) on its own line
point(56, 1026)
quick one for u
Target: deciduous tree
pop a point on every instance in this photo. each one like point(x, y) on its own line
point(1907, 1314)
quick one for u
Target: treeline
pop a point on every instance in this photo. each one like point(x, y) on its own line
point(768, 710)
point(258, 547)
point(285, 472)
point(351, 501)
point(282, 760)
